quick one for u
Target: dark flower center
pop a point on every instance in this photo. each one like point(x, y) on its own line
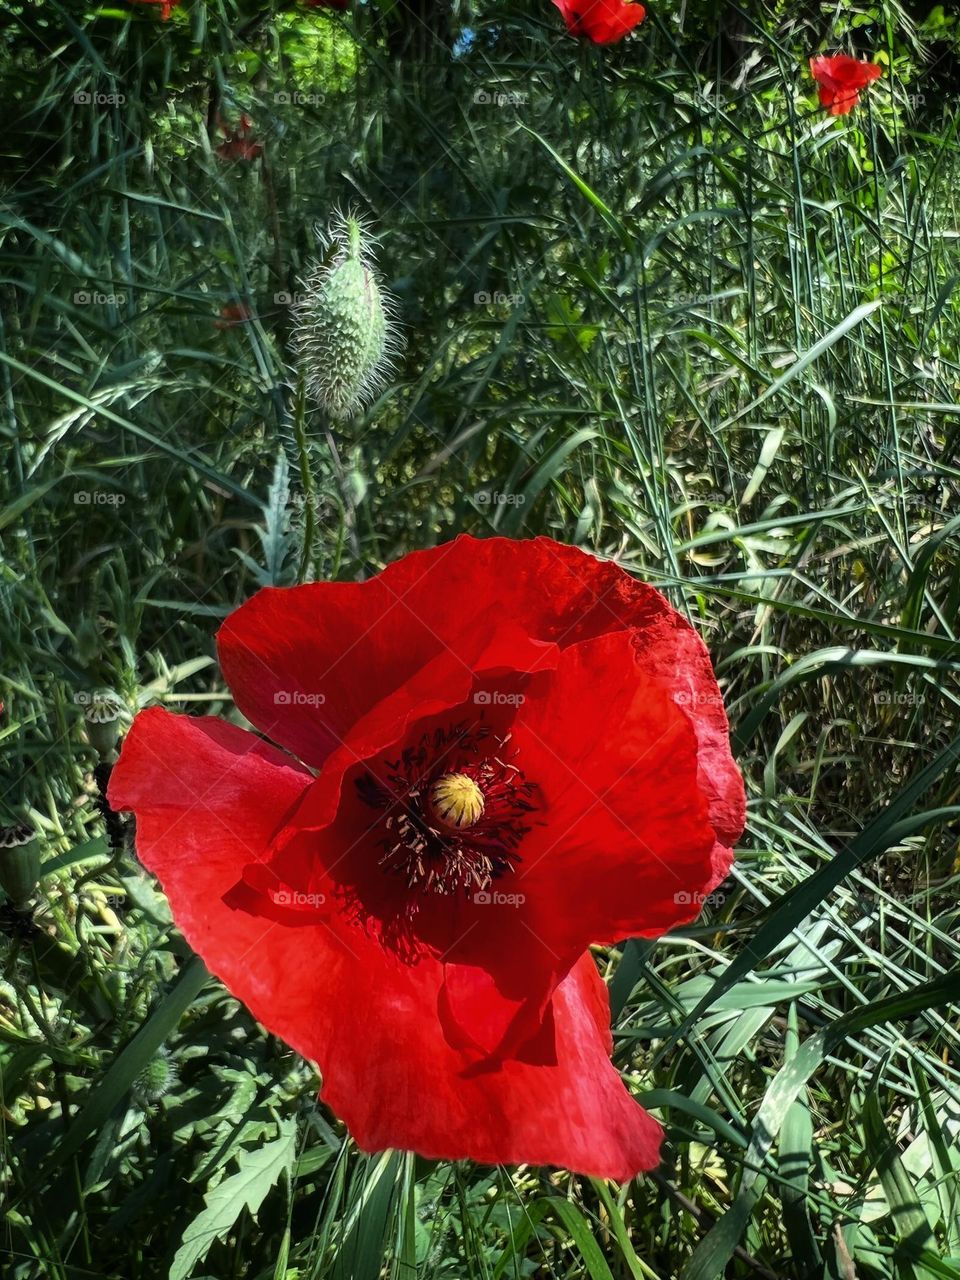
point(455, 810)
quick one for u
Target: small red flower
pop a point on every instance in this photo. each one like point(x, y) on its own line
point(840, 79)
point(166, 6)
point(495, 753)
point(233, 314)
point(239, 143)
point(602, 21)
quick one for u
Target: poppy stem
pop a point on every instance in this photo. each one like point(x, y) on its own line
point(306, 479)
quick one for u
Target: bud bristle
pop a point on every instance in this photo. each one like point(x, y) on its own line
point(345, 331)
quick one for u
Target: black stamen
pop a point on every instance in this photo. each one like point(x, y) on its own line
point(443, 860)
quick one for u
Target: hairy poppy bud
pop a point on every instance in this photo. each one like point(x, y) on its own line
point(345, 336)
point(156, 1079)
point(19, 864)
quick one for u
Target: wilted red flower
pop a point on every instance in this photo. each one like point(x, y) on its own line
point(233, 314)
point(166, 6)
point(500, 753)
point(602, 21)
point(239, 143)
point(840, 80)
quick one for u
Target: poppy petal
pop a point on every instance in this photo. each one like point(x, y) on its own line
point(622, 846)
point(405, 1086)
point(292, 656)
point(840, 79)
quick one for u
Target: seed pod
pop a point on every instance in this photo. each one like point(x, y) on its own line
point(345, 334)
point(103, 715)
point(19, 864)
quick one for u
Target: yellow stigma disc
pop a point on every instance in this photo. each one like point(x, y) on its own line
point(456, 801)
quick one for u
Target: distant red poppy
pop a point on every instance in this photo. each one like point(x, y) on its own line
point(239, 143)
point(233, 314)
point(602, 21)
point(495, 753)
point(166, 6)
point(840, 80)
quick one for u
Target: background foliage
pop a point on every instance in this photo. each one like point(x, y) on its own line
point(655, 303)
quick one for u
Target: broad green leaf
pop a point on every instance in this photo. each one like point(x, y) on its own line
point(258, 1170)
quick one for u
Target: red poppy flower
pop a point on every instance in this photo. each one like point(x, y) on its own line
point(499, 753)
point(840, 79)
point(166, 6)
point(602, 21)
point(233, 314)
point(239, 143)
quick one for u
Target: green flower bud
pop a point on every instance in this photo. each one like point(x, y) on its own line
point(19, 864)
point(345, 335)
point(156, 1079)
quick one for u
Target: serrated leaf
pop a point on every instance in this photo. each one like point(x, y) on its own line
point(258, 1170)
point(274, 536)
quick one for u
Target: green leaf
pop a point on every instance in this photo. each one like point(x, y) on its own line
point(129, 1063)
point(257, 1171)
